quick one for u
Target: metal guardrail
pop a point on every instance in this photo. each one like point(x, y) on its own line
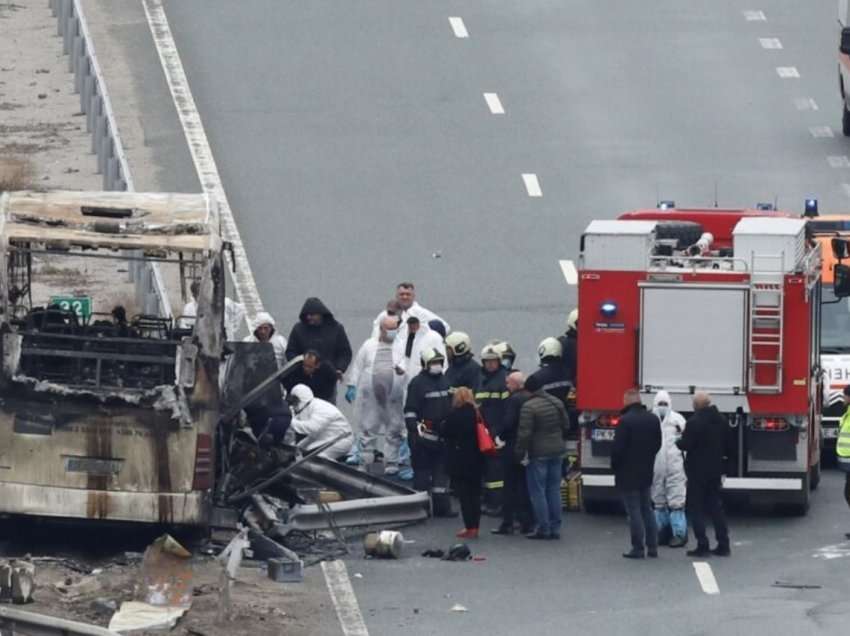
point(106, 142)
point(15, 622)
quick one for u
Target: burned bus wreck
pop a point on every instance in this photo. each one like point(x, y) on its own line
point(108, 410)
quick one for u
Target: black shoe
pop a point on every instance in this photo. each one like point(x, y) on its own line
point(652, 554)
point(633, 554)
point(555, 536)
point(678, 542)
point(722, 551)
point(503, 529)
point(537, 536)
point(847, 535)
point(527, 530)
point(699, 552)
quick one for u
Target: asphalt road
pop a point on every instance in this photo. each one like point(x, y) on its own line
point(355, 143)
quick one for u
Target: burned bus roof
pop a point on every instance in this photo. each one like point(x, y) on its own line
point(112, 220)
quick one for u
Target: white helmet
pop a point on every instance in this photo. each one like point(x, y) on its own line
point(549, 348)
point(572, 320)
point(458, 343)
point(300, 397)
point(431, 355)
point(490, 352)
point(506, 351)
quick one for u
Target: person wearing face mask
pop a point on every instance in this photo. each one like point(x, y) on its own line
point(377, 393)
point(427, 405)
point(669, 484)
point(507, 355)
point(318, 421)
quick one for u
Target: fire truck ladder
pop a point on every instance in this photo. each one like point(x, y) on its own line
point(767, 296)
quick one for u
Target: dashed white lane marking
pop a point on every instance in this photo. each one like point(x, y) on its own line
point(343, 599)
point(532, 184)
point(706, 578)
point(787, 72)
point(838, 161)
point(568, 268)
point(820, 132)
point(494, 103)
point(846, 188)
point(805, 103)
point(458, 27)
point(202, 156)
point(751, 15)
point(770, 43)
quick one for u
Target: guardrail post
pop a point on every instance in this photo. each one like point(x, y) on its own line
point(81, 63)
point(105, 153)
point(64, 7)
point(86, 94)
point(111, 173)
point(98, 137)
point(95, 110)
point(71, 29)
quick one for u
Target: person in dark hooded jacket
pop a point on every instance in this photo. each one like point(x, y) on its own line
point(319, 331)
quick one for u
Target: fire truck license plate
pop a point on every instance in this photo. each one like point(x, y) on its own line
point(603, 435)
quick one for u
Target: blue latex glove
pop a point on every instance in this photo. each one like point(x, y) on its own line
point(350, 393)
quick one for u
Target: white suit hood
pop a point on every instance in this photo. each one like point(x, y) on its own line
point(263, 318)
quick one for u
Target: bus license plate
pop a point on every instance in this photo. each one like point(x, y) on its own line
point(603, 435)
point(93, 465)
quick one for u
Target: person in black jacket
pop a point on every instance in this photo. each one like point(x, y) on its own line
point(314, 373)
point(516, 506)
point(636, 443)
point(319, 331)
point(427, 404)
point(704, 443)
point(491, 396)
point(465, 461)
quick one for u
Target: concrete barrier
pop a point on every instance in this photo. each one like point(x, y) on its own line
point(151, 295)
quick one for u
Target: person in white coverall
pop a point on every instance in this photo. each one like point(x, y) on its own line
point(319, 422)
point(377, 391)
point(264, 331)
point(405, 300)
point(234, 313)
point(669, 484)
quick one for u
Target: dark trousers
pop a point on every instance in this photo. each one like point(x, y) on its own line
point(847, 487)
point(516, 506)
point(638, 504)
point(468, 492)
point(430, 475)
point(704, 502)
point(494, 482)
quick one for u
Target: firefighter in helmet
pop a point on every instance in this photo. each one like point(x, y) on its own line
point(463, 370)
point(569, 346)
point(553, 377)
point(507, 354)
point(491, 397)
point(428, 403)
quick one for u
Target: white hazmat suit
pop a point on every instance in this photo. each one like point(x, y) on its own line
point(277, 341)
point(320, 422)
point(669, 484)
point(379, 401)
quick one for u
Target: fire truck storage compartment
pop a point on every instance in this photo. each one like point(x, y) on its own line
point(693, 336)
point(769, 245)
point(617, 245)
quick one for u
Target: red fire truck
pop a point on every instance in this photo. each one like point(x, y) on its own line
point(726, 301)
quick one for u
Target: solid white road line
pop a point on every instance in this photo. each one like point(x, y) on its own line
point(494, 103)
point(838, 161)
point(820, 132)
point(805, 103)
point(787, 72)
point(568, 268)
point(202, 156)
point(532, 184)
point(343, 599)
point(751, 15)
point(706, 577)
point(458, 27)
point(770, 43)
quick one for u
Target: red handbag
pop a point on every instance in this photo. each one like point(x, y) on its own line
point(486, 445)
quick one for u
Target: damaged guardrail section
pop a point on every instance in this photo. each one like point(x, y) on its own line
point(106, 142)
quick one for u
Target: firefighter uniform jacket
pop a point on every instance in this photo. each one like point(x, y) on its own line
point(464, 371)
point(552, 377)
point(491, 397)
point(428, 401)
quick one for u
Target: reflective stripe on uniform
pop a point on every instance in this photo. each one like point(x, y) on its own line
point(410, 414)
point(556, 385)
point(494, 485)
point(436, 394)
point(493, 395)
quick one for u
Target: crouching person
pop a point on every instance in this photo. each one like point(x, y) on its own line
point(318, 422)
point(669, 484)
